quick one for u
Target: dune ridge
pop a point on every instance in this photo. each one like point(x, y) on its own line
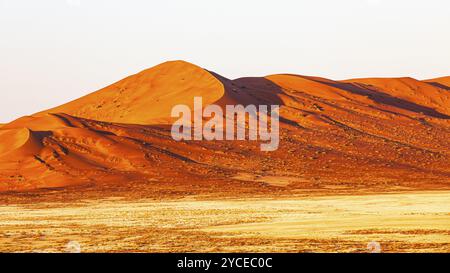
point(146, 97)
point(442, 83)
point(375, 134)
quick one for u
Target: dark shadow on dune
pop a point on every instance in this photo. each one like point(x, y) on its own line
point(439, 85)
point(256, 91)
point(387, 99)
point(40, 135)
point(63, 118)
point(252, 90)
point(262, 90)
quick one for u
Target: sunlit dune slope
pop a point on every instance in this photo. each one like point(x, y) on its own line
point(417, 95)
point(84, 151)
point(354, 135)
point(443, 83)
point(20, 141)
point(38, 122)
point(147, 97)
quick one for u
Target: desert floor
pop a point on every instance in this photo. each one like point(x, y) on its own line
point(400, 222)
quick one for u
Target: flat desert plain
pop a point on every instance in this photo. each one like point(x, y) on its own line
point(399, 222)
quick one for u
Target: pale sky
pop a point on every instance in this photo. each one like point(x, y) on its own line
point(53, 51)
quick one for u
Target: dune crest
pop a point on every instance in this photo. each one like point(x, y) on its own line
point(19, 142)
point(409, 90)
point(148, 96)
point(39, 122)
point(443, 83)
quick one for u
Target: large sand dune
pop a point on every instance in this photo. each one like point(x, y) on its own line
point(356, 135)
point(147, 97)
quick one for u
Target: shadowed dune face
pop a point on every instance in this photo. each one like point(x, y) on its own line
point(442, 83)
point(252, 90)
point(378, 96)
point(355, 135)
point(409, 93)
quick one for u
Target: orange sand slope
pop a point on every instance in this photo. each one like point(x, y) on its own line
point(360, 134)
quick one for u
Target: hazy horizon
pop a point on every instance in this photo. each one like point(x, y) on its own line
point(54, 51)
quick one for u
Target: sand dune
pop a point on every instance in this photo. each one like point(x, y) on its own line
point(412, 94)
point(44, 122)
point(147, 97)
point(354, 135)
point(443, 83)
point(20, 142)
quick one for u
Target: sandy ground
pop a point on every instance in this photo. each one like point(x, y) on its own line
point(400, 222)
